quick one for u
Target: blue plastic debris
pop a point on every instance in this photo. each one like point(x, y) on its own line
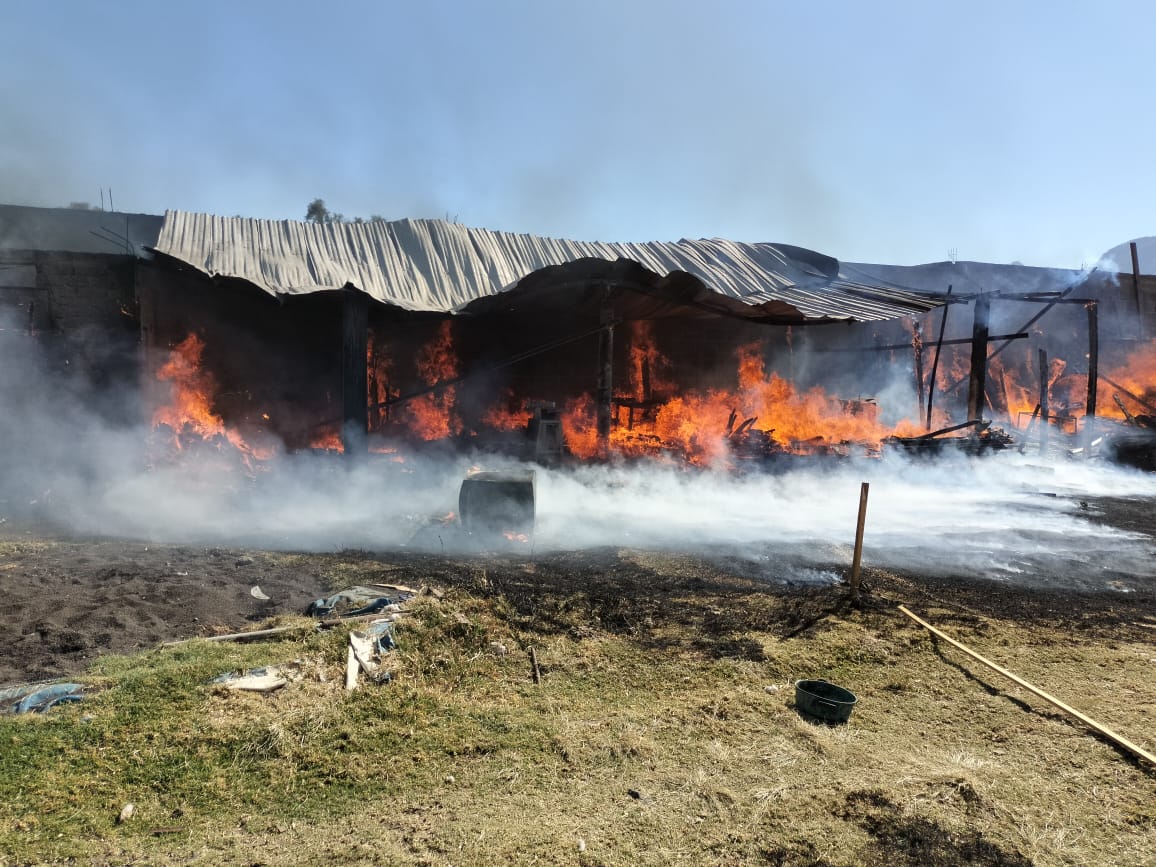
point(38, 697)
point(381, 633)
point(355, 602)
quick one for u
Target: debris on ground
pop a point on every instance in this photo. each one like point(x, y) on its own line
point(361, 600)
point(366, 648)
point(38, 697)
point(265, 679)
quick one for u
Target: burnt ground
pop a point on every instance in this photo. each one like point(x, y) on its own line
point(68, 599)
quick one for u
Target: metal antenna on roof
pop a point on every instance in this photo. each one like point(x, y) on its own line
point(952, 254)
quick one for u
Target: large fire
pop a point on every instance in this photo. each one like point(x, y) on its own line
point(762, 415)
point(189, 414)
point(1133, 382)
point(432, 416)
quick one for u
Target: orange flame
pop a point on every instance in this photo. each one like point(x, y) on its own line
point(379, 367)
point(432, 416)
point(698, 427)
point(189, 414)
point(501, 416)
point(1133, 382)
point(329, 439)
point(647, 365)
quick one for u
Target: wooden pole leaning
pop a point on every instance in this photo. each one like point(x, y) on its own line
point(1071, 711)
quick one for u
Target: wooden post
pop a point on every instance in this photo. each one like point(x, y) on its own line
point(1093, 375)
point(935, 359)
point(855, 561)
point(605, 373)
point(1136, 283)
point(979, 336)
point(1045, 375)
point(354, 372)
point(917, 346)
point(535, 672)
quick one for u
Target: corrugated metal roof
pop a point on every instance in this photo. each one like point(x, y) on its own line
point(438, 266)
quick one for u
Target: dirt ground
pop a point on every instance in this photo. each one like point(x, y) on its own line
point(67, 599)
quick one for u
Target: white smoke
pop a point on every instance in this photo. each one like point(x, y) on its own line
point(1002, 516)
point(77, 463)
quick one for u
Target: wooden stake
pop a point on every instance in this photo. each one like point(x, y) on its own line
point(859, 542)
point(534, 672)
point(1106, 732)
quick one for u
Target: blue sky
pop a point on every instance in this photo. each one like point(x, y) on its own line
point(872, 131)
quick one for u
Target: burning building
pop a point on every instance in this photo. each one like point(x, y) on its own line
point(254, 336)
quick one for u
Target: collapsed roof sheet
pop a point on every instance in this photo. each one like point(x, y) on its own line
point(438, 266)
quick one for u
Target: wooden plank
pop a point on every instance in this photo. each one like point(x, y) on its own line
point(1055, 702)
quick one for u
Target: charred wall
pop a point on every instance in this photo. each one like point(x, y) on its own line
point(81, 308)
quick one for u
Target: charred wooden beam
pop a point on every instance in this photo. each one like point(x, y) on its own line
point(1128, 417)
point(1044, 376)
point(917, 349)
point(1136, 281)
point(955, 341)
point(1093, 371)
point(945, 430)
point(935, 359)
point(605, 372)
point(354, 372)
point(1062, 299)
point(980, 330)
point(1028, 429)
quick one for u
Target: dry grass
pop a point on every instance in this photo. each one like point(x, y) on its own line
point(663, 732)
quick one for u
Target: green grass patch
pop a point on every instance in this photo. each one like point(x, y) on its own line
point(663, 731)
